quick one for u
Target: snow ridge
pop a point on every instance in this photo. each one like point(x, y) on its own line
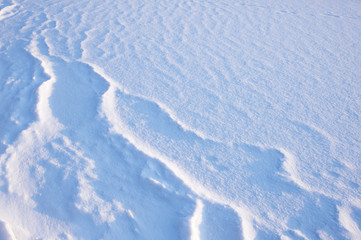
point(109, 110)
point(179, 120)
point(196, 220)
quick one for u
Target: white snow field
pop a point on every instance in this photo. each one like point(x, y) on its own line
point(180, 119)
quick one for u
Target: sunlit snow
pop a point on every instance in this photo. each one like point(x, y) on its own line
point(180, 119)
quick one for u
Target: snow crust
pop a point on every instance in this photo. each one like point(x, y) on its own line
point(180, 119)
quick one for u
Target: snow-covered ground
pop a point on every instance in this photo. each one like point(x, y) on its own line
point(180, 119)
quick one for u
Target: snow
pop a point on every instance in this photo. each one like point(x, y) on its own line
point(180, 119)
point(196, 220)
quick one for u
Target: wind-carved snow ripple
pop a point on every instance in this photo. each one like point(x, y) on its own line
point(87, 157)
point(258, 183)
point(254, 191)
point(56, 168)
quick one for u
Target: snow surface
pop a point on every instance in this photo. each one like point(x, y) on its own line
point(180, 119)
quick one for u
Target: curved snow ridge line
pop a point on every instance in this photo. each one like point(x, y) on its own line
point(247, 219)
point(45, 90)
point(290, 166)
point(8, 11)
point(196, 221)
point(108, 106)
point(161, 106)
point(184, 126)
point(23, 173)
point(45, 129)
point(108, 111)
